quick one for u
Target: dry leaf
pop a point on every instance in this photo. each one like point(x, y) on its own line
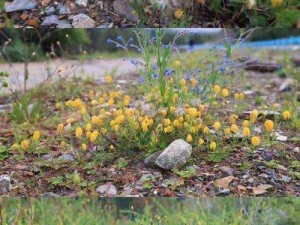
point(224, 182)
point(261, 189)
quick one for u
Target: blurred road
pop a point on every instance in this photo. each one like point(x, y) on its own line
point(40, 71)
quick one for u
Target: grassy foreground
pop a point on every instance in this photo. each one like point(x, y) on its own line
point(150, 211)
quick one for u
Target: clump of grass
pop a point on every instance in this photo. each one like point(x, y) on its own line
point(150, 211)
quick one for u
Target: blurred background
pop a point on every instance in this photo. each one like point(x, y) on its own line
point(70, 42)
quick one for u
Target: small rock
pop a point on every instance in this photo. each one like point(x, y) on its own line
point(5, 184)
point(81, 3)
point(224, 191)
point(47, 157)
point(150, 160)
point(5, 108)
point(267, 156)
point(49, 11)
point(124, 9)
point(287, 85)
point(50, 195)
point(66, 157)
point(286, 179)
point(226, 171)
point(83, 21)
point(63, 10)
point(175, 155)
point(21, 5)
point(107, 190)
point(50, 21)
point(63, 24)
point(296, 150)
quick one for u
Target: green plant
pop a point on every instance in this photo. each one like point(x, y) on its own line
point(27, 109)
point(3, 82)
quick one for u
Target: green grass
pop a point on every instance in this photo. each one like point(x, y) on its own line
point(128, 211)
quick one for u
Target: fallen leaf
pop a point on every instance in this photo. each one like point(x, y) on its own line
point(33, 22)
point(224, 182)
point(261, 189)
point(241, 188)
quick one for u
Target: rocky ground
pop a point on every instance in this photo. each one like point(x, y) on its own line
point(69, 13)
point(266, 171)
point(121, 14)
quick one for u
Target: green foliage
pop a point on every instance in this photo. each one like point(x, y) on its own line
point(26, 109)
point(3, 152)
point(17, 51)
point(3, 82)
point(167, 211)
point(188, 173)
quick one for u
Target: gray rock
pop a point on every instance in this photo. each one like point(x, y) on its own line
point(223, 192)
point(50, 11)
point(21, 5)
point(83, 21)
point(226, 171)
point(63, 24)
point(124, 9)
point(150, 160)
point(287, 85)
point(47, 157)
point(5, 184)
point(50, 21)
point(50, 195)
point(286, 179)
point(106, 25)
point(66, 157)
point(63, 10)
point(107, 190)
point(175, 155)
point(82, 3)
point(5, 108)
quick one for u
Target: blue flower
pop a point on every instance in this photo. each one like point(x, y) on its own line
point(141, 80)
point(155, 76)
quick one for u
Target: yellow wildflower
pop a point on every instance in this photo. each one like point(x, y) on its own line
point(246, 123)
point(216, 89)
point(217, 125)
point(193, 81)
point(62, 144)
point(205, 130)
point(78, 132)
point(83, 147)
point(108, 79)
point(94, 135)
point(255, 141)
point(183, 82)
point(201, 141)
point(15, 146)
point(213, 145)
point(286, 115)
point(246, 132)
point(234, 128)
point(227, 131)
point(70, 120)
point(36, 136)
point(269, 125)
point(60, 128)
point(25, 144)
point(189, 138)
point(88, 127)
point(177, 64)
point(225, 92)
